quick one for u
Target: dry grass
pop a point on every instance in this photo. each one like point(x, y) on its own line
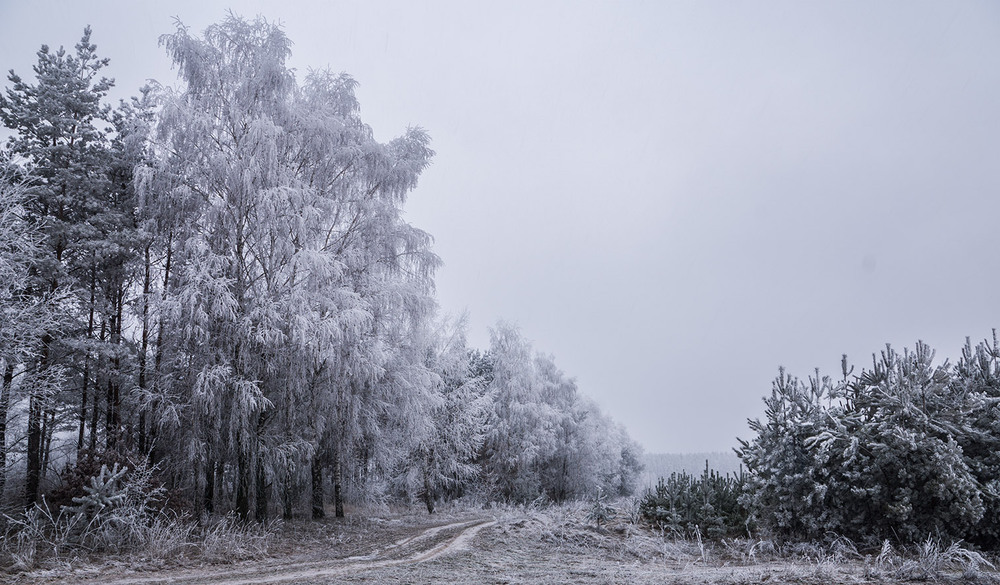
point(529, 544)
point(41, 539)
point(930, 561)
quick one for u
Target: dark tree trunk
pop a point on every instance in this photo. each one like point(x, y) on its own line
point(86, 360)
point(95, 409)
point(114, 411)
point(158, 352)
point(117, 340)
point(109, 396)
point(142, 430)
point(210, 488)
point(318, 511)
point(110, 432)
point(143, 349)
point(34, 450)
point(48, 427)
point(8, 381)
point(290, 493)
point(35, 411)
point(428, 494)
point(288, 497)
point(95, 412)
point(243, 485)
point(261, 491)
point(338, 499)
point(83, 403)
point(564, 480)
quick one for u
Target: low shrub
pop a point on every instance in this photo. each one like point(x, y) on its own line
point(688, 506)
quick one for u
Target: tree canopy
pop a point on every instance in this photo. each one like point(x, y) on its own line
point(217, 282)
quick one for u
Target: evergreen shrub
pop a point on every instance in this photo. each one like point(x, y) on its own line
point(904, 451)
point(686, 505)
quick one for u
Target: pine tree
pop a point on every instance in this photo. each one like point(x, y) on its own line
point(976, 378)
point(60, 133)
point(783, 489)
point(880, 455)
point(24, 317)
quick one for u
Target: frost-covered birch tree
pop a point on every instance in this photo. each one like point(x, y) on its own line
point(590, 452)
point(290, 260)
point(218, 147)
point(380, 284)
point(542, 438)
point(521, 428)
point(441, 458)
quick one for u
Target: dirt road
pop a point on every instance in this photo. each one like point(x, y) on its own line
point(425, 545)
point(515, 546)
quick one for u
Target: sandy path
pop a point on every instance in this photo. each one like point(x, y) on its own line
point(424, 546)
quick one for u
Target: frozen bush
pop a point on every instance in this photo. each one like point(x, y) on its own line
point(902, 451)
point(685, 505)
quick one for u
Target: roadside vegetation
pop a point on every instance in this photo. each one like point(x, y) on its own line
point(518, 543)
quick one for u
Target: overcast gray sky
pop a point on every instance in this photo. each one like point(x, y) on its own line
point(672, 198)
